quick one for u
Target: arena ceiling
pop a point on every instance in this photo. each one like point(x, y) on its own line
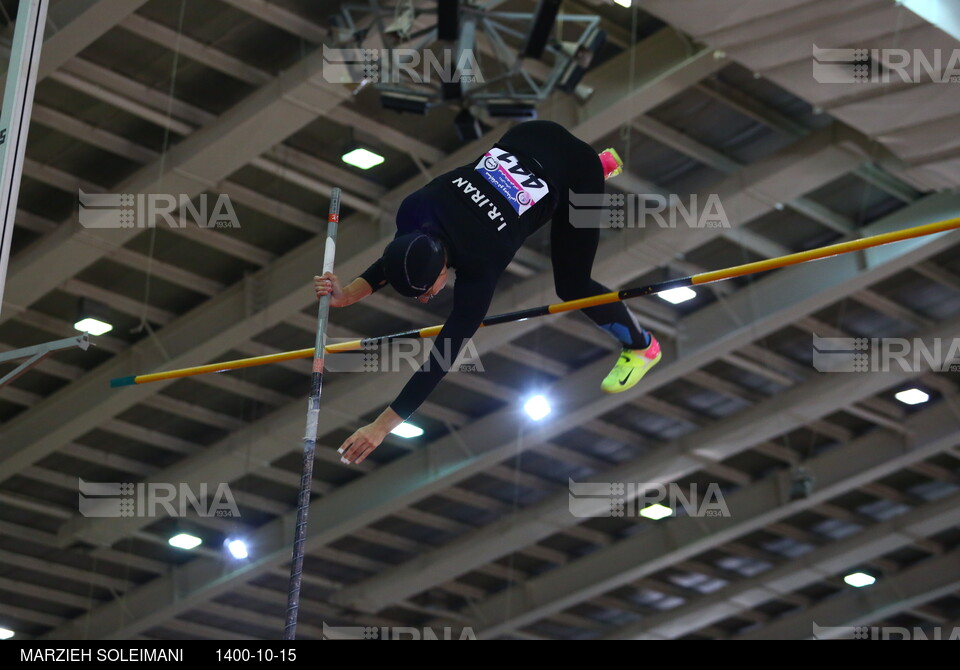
point(470, 525)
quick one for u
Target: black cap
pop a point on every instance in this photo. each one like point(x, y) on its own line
point(412, 263)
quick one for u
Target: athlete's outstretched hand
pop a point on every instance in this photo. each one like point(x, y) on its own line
point(329, 284)
point(359, 445)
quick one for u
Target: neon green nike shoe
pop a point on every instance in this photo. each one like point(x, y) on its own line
point(632, 365)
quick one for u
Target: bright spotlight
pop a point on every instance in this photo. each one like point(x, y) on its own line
point(537, 407)
point(238, 549)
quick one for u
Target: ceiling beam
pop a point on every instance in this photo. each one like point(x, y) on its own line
point(921, 583)
point(769, 419)
point(265, 118)
point(836, 472)
point(875, 541)
point(72, 27)
point(719, 161)
point(758, 111)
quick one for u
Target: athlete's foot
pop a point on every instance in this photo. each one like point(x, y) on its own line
point(632, 365)
point(612, 165)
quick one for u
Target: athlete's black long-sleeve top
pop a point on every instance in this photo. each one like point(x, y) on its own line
point(483, 212)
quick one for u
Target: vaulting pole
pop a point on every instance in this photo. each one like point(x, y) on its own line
point(15, 116)
point(570, 305)
point(310, 437)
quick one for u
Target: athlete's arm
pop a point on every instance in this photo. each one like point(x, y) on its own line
point(471, 299)
point(370, 280)
point(341, 296)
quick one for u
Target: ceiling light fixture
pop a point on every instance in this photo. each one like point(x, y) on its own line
point(407, 430)
point(185, 541)
point(677, 295)
point(859, 579)
point(656, 511)
point(93, 317)
point(362, 158)
point(912, 396)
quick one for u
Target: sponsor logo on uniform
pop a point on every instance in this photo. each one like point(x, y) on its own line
point(520, 187)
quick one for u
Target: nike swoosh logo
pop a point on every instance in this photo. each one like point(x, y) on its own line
point(624, 380)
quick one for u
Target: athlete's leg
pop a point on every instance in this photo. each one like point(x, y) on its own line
point(573, 250)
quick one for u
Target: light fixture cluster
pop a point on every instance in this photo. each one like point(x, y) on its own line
point(236, 547)
point(430, 57)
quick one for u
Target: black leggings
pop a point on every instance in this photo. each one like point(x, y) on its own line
point(568, 161)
